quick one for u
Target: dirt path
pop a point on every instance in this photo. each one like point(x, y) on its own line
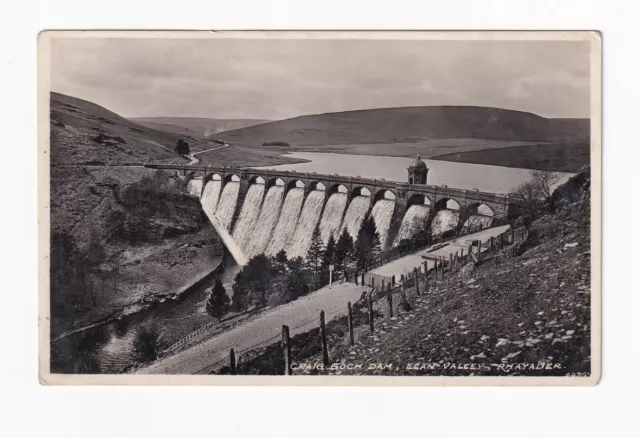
point(301, 315)
point(194, 160)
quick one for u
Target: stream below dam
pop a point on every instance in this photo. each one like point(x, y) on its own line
point(109, 348)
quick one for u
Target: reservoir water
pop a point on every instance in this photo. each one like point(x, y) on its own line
point(495, 179)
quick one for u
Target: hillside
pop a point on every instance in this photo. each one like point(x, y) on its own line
point(517, 308)
point(412, 124)
point(201, 127)
point(551, 156)
point(83, 131)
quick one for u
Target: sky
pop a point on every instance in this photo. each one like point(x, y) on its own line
point(277, 79)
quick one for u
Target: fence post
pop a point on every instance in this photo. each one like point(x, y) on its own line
point(435, 269)
point(232, 361)
point(286, 347)
point(370, 304)
point(415, 277)
point(491, 244)
point(323, 339)
point(404, 291)
point(362, 278)
point(426, 276)
point(393, 280)
point(390, 300)
point(382, 284)
point(350, 322)
point(450, 262)
point(442, 268)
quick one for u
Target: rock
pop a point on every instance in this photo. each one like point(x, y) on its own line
point(468, 269)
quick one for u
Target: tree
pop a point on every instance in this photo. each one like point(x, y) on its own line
point(296, 275)
point(257, 274)
point(316, 252)
point(279, 263)
point(367, 246)
point(240, 296)
point(147, 343)
point(534, 193)
point(545, 181)
point(344, 249)
point(182, 147)
point(218, 302)
point(330, 252)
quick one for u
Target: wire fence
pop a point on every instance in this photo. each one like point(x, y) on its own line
point(442, 267)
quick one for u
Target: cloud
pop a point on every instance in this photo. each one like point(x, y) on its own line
point(275, 79)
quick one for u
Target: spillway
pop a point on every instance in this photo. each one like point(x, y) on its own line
point(267, 219)
point(413, 221)
point(227, 204)
point(478, 222)
point(443, 221)
point(382, 213)
point(332, 216)
point(210, 196)
point(246, 223)
point(287, 221)
point(309, 217)
point(194, 187)
point(355, 215)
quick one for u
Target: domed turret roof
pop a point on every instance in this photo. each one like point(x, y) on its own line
point(419, 163)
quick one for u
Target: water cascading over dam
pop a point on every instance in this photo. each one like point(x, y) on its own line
point(356, 212)
point(227, 203)
point(266, 222)
point(443, 221)
point(309, 217)
point(382, 213)
point(208, 202)
point(287, 221)
point(246, 223)
point(413, 221)
point(210, 196)
point(477, 221)
point(194, 186)
point(332, 216)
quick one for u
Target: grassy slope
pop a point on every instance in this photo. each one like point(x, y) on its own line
point(75, 122)
point(556, 157)
point(411, 124)
point(538, 302)
point(201, 127)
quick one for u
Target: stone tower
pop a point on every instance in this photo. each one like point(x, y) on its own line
point(418, 172)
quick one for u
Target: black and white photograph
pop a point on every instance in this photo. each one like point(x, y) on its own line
point(413, 208)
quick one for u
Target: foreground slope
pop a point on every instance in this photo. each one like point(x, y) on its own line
point(412, 124)
point(523, 311)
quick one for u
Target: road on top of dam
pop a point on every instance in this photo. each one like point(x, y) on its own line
point(300, 315)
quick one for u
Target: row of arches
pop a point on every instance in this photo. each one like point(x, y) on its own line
point(475, 208)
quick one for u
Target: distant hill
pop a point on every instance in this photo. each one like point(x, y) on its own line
point(412, 124)
point(83, 131)
point(201, 127)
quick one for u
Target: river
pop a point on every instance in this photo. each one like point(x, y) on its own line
point(111, 345)
point(494, 179)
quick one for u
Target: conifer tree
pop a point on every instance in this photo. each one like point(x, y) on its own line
point(344, 249)
point(330, 252)
point(367, 246)
point(316, 252)
point(218, 302)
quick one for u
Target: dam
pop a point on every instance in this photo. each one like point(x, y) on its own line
point(266, 210)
